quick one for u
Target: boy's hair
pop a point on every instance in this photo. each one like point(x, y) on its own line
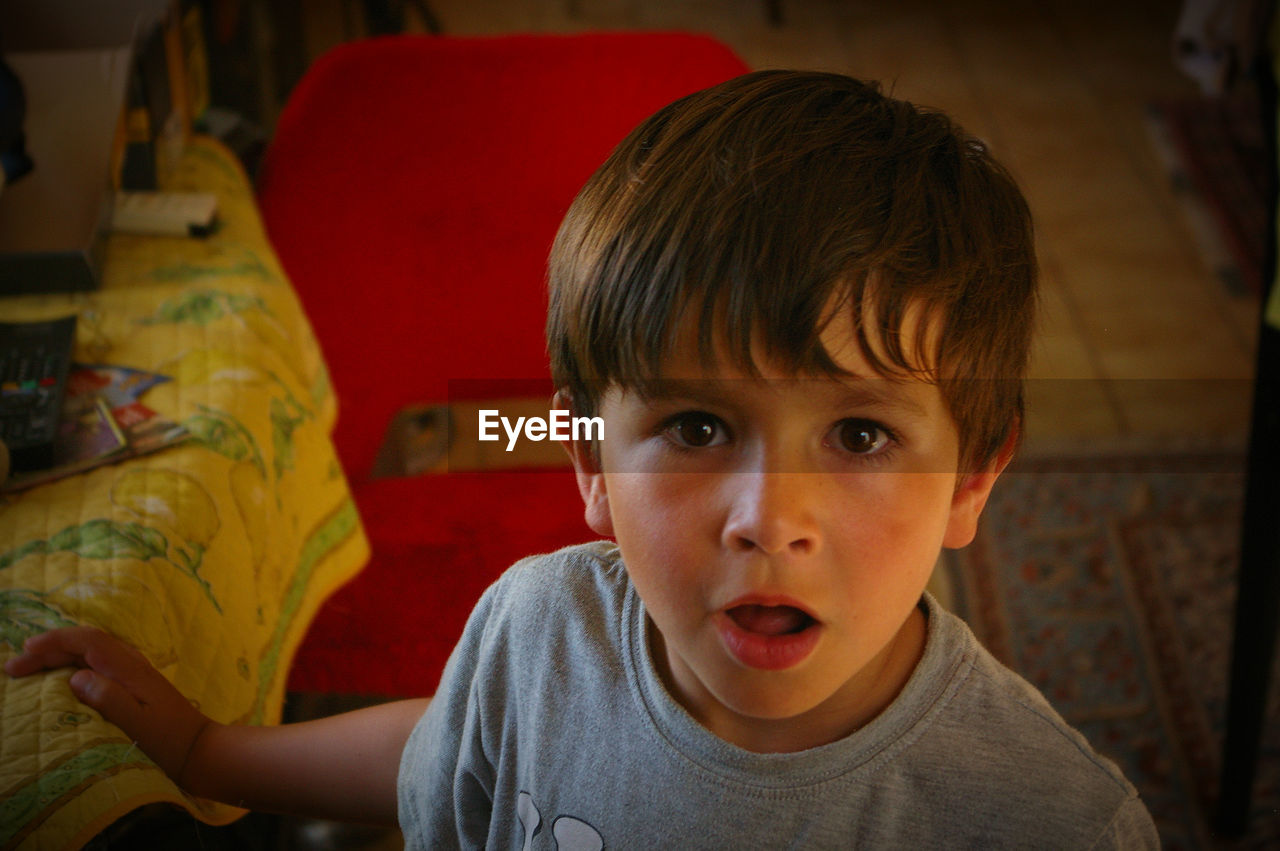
point(767, 206)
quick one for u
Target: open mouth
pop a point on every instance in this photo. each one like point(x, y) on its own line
point(770, 620)
point(770, 637)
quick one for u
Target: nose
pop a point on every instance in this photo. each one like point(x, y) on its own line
point(774, 513)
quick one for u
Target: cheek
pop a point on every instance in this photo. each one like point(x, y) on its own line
point(658, 530)
point(900, 517)
point(652, 503)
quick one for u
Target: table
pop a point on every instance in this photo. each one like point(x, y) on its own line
point(211, 556)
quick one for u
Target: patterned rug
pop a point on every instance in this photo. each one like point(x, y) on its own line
point(1109, 584)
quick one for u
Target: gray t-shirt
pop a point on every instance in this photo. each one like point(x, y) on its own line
point(551, 730)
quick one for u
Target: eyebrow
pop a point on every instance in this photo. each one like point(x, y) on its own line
point(889, 393)
point(855, 391)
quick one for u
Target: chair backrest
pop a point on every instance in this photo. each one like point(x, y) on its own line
point(414, 186)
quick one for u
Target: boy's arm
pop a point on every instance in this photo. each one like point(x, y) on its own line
point(343, 767)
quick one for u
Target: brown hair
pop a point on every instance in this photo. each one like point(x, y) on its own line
point(752, 207)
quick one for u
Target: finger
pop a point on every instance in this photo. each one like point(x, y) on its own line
point(120, 661)
point(158, 719)
point(40, 652)
point(72, 640)
point(28, 663)
point(78, 646)
point(108, 697)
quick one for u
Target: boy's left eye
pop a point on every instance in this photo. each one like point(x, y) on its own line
point(861, 437)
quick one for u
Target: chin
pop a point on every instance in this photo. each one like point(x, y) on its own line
point(775, 704)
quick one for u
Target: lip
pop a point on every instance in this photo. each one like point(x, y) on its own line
point(763, 651)
point(759, 599)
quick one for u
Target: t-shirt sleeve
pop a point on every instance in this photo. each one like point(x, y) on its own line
point(1132, 828)
point(445, 785)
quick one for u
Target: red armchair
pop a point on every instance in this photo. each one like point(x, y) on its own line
point(412, 191)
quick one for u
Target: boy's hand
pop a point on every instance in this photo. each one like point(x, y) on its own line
point(120, 683)
point(341, 767)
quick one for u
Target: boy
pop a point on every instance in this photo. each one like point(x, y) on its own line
point(803, 311)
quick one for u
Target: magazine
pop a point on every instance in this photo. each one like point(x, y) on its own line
point(103, 421)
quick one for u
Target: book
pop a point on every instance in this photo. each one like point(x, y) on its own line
point(103, 421)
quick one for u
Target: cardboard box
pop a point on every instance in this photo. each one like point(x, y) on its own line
point(75, 61)
point(53, 221)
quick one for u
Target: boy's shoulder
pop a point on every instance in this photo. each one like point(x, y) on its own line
point(989, 700)
point(573, 561)
point(990, 727)
point(568, 595)
point(566, 579)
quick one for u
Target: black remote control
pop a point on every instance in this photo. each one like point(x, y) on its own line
point(35, 358)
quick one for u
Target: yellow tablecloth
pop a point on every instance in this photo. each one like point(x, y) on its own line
point(211, 556)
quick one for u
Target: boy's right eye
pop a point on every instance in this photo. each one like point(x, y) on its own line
point(695, 430)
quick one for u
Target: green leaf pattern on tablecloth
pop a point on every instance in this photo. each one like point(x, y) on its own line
point(321, 388)
point(19, 553)
point(23, 613)
point(102, 539)
point(178, 502)
point(202, 307)
point(222, 433)
point(101, 758)
point(233, 263)
point(283, 425)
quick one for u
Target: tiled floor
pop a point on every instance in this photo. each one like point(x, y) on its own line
point(1140, 343)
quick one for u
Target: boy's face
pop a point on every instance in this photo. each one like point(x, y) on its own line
point(780, 532)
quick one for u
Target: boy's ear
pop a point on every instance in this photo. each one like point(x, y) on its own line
point(586, 468)
point(971, 496)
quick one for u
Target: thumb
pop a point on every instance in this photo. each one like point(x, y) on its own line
point(107, 696)
point(160, 721)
